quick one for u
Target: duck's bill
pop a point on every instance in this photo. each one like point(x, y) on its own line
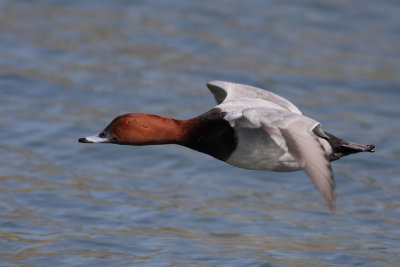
point(94, 139)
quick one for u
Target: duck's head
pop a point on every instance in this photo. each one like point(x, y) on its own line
point(129, 129)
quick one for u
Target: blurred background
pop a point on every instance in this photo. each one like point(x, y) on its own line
point(68, 67)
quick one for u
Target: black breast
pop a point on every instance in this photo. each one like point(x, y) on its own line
point(213, 135)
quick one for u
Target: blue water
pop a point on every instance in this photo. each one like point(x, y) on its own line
point(68, 67)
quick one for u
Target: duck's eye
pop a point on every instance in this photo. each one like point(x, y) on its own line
point(125, 123)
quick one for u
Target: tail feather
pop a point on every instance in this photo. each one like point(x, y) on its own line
point(341, 148)
point(357, 147)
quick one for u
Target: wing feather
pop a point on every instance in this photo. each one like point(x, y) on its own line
point(310, 154)
point(295, 133)
point(227, 91)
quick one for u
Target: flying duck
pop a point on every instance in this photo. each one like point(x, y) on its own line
point(250, 128)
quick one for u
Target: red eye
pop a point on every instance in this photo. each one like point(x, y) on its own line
point(126, 123)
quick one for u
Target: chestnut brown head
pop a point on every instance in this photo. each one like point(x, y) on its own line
point(135, 129)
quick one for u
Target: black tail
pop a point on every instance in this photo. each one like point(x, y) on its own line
point(341, 148)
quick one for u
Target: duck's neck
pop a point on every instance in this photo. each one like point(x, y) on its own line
point(157, 130)
point(208, 133)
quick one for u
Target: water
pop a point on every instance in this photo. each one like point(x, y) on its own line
point(68, 67)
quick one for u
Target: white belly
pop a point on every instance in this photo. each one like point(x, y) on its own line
point(257, 151)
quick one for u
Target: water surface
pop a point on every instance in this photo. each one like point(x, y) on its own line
point(67, 68)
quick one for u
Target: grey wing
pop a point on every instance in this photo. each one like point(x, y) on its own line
point(226, 91)
point(296, 134)
point(310, 154)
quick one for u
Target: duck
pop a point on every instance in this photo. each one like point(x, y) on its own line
point(249, 128)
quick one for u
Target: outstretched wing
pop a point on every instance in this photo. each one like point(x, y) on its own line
point(297, 135)
point(226, 91)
